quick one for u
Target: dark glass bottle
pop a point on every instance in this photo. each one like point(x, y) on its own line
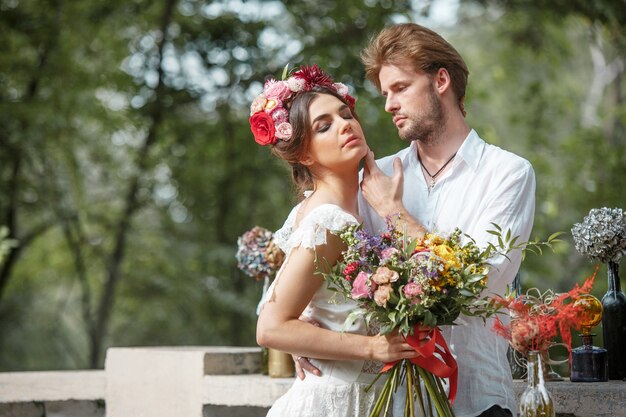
point(614, 324)
point(589, 362)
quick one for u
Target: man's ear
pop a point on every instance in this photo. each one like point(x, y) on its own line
point(442, 80)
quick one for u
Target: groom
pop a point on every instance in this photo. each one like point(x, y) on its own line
point(447, 177)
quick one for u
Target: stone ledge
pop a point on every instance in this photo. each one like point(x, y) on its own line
point(52, 386)
point(576, 399)
point(588, 399)
point(252, 390)
point(194, 382)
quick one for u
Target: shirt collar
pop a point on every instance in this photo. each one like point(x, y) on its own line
point(471, 150)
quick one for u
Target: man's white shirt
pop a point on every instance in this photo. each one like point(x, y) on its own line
point(484, 185)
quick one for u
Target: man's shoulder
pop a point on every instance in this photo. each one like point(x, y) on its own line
point(505, 161)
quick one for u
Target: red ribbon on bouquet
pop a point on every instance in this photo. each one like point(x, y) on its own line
point(444, 366)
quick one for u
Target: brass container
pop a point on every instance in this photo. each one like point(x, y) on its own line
point(280, 364)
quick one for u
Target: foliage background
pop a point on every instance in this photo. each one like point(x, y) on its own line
point(127, 170)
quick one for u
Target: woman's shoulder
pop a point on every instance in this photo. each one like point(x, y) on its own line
point(312, 227)
point(328, 215)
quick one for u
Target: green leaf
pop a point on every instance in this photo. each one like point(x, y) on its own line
point(285, 72)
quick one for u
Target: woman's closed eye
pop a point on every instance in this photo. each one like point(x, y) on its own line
point(323, 127)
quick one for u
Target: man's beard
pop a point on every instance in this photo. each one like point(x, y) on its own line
point(428, 126)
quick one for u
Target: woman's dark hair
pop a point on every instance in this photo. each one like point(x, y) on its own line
point(296, 148)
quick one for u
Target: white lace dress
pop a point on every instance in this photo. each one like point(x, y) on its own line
point(340, 390)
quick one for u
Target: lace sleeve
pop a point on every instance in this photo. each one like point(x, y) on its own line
point(311, 231)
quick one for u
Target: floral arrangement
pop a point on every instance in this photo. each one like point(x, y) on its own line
point(537, 318)
point(602, 234)
point(269, 112)
point(257, 254)
point(411, 285)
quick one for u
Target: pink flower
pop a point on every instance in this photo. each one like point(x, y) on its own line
point(271, 104)
point(280, 115)
point(341, 88)
point(258, 104)
point(413, 289)
point(382, 294)
point(277, 89)
point(284, 131)
point(384, 275)
point(295, 84)
point(388, 253)
point(360, 288)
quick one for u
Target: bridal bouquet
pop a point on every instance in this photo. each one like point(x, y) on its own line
point(412, 285)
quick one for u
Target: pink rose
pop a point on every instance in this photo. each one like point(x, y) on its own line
point(263, 129)
point(388, 253)
point(412, 289)
point(382, 294)
point(284, 131)
point(277, 89)
point(360, 287)
point(384, 275)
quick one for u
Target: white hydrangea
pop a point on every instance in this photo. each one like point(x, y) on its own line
point(602, 234)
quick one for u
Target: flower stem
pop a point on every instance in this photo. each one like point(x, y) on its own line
point(418, 390)
point(435, 395)
point(409, 408)
point(394, 379)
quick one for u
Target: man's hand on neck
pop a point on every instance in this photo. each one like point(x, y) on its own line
point(384, 194)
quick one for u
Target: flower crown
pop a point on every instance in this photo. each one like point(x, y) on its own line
point(269, 115)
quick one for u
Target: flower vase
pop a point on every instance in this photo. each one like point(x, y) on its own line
point(614, 323)
point(549, 374)
point(535, 401)
point(280, 364)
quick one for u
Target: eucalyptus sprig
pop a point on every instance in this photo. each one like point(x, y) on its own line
point(508, 243)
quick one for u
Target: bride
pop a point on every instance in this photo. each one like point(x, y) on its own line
point(309, 121)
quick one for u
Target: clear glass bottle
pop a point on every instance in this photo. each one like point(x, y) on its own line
point(535, 401)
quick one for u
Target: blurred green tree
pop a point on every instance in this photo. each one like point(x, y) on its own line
point(127, 168)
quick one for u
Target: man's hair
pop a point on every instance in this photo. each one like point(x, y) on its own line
point(425, 50)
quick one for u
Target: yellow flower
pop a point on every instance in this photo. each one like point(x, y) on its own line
point(432, 239)
point(270, 104)
point(446, 253)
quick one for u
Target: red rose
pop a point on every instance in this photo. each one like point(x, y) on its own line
point(262, 127)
